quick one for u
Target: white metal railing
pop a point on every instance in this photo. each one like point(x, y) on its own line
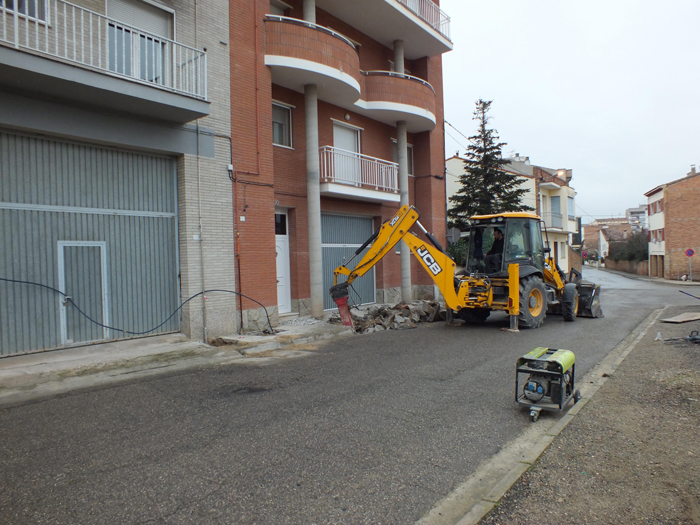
point(431, 14)
point(69, 32)
point(553, 219)
point(347, 167)
point(310, 25)
point(377, 73)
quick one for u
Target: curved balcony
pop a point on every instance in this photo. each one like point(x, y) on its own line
point(390, 97)
point(301, 53)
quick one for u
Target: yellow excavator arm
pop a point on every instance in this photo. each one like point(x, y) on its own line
point(431, 256)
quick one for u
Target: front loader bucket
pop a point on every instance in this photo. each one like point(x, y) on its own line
point(589, 300)
point(339, 294)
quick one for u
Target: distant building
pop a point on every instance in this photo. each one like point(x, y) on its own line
point(549, 194)
point(637, 217)
point(674, 227)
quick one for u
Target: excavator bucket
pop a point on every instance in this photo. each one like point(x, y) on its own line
point(339, 294)
point(589, 300)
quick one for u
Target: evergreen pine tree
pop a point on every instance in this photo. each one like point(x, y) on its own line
point(485, 187)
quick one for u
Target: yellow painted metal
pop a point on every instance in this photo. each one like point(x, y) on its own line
point(565, 358)
point(551, 274)
point(514, 289)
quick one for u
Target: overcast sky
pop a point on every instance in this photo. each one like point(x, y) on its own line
point(608, 88)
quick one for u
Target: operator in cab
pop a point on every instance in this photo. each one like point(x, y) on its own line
point(494, 256)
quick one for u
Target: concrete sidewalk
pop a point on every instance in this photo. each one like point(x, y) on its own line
point(630, 454)
point(33, 376)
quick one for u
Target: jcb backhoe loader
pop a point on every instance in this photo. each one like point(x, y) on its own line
point(507, 268)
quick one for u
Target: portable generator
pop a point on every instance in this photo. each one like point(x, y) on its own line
point(545, 380)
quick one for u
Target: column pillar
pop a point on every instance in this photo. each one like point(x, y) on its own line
point(310, 11)
point(402, 148)
point(313, 191)
point(398, 57)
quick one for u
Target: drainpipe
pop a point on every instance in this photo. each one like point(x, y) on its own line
point(402, 147)
point(199, 199)
point(313, 200)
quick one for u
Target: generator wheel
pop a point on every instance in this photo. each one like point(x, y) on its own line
point(533, 302)
point(577, 396)
point(569, 309)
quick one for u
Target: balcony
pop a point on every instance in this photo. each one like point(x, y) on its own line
point(421, 24)
point(389, 97)
point(553, 220)
point(301, 53)
point(59, 49)
point(355, 176)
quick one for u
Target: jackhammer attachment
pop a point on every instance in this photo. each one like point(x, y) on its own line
point(339, 294)
point(589, 300)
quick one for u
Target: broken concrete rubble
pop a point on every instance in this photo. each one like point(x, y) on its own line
point(377, 318)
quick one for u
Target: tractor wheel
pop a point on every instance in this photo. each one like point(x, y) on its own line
point(569, 309)
point(474, 315)
point(533, 302)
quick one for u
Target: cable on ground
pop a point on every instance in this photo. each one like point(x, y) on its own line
point(70, 299)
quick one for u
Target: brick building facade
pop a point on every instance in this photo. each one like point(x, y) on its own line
point(674, 227)
point(348, 121)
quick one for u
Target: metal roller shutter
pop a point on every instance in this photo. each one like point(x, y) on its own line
point(341, 235)
point(98, 224)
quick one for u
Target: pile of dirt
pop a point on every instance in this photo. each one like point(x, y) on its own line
point(401, 316)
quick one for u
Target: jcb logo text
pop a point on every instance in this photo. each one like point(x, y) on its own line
point(432, 265)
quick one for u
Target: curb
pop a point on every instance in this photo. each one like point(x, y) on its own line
point(23, 387)
point(475, 498)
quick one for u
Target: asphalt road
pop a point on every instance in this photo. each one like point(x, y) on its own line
point(369, 429)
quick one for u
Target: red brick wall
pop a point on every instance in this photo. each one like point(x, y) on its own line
point(251, 129)
point(682, 224)
point(278, 175)
point(296, 41)
point(398, 90)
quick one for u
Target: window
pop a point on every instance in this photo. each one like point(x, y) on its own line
point(570, 209)
point(139, 53)
point(31, 8)
point(281, 125)
point(410, 156)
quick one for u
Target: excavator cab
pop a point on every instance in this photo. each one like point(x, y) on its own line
point(496, 241)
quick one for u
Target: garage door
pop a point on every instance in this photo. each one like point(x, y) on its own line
point(341, 236)
point(99, 226)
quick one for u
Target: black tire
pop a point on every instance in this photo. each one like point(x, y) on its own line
point(474, 315)
point(533, 302)
point(569, 309)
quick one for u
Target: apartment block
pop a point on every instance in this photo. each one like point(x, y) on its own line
point(674, 228)
point(199, 167)
point(115, 192)
point(336, 114)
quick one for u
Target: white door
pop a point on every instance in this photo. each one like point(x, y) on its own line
point(346, 168)
point(284, 287)
point(82, 277)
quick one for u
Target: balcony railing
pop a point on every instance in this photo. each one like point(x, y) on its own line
point(553, 219)
point(68, 32)
point(347, 167)
point(431, 13)
point(394, 74)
